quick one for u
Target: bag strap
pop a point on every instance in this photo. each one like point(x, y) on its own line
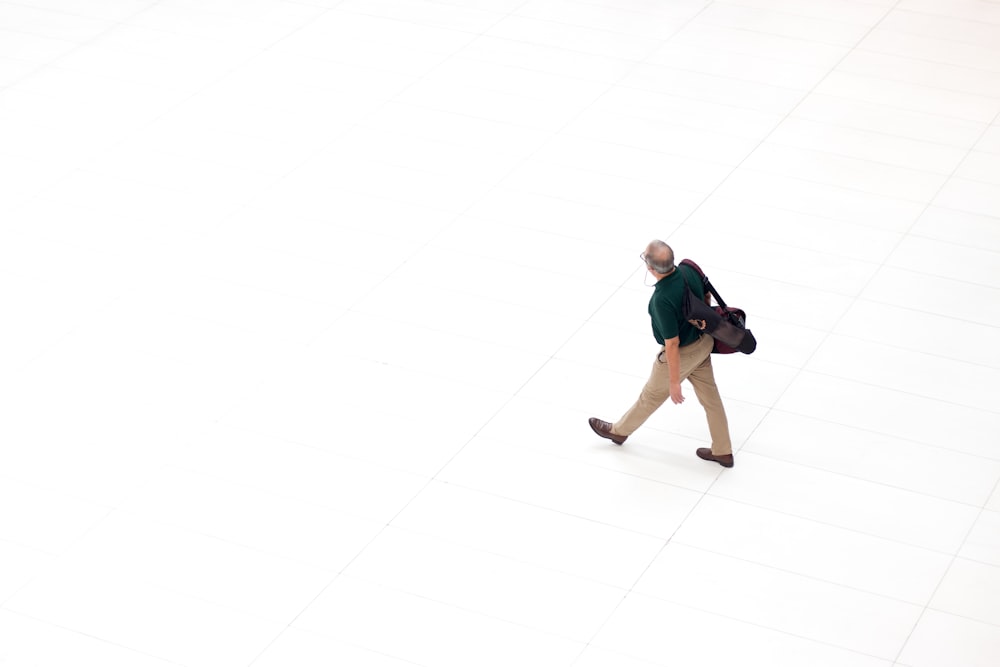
point(715, 293)
point(704, 281)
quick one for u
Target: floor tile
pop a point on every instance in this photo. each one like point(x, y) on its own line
point(877, 457)
point(22, 565)
point(54, 23)
point(510, 80)
point(658, 108)
point(958, 262)
point(904, 516)
point(131, 616)
point(426, 13)
point(980, 166)
point(882, 365)
point(277, 526)
point(309, 649)
point(485, 583)
point(595, 657)
point(926, 332)
point(647, 20)
point(711, 60)
point(797, 605)
point(308, 406)
point(934, 20)
point(941, 638)
point(28, 641)
point(782, 342)
point(971, 80)
point(529, 248)
point(767, 259)
point(741, 218)
point(982, 544)
point(846, 172)
point(812, 549)
point(960, 229)
point(597, 189)
point(527, 533)
point(564, 217)
point(639, 158)
point(505, 280)
point(357, 612)
point(893, 413)
point(774, 21)
point(573, 37)
point(687, 140)
point(964, 10)
point(908, 96)
point(665, 633)
point(990, 141)
point(608, 497)
point(128, 550)
point(50, 522)
point(887, 120)
point(994, 502)
point(969, 590)
point(307, 474)
point(384, 29)
point(953, 298)
point(795, 193)
point(970, 196)
point(712, 88)
point(465, 359)
point(885, 40)
point(865, 145)
point(549, 59)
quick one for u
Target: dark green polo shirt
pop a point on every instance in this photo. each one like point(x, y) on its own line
point(666, 306)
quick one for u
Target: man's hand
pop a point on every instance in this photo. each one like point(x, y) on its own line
point(675, 393)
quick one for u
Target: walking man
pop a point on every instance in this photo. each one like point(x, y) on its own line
point(686, 355)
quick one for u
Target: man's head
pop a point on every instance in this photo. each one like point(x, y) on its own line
point(659, 258)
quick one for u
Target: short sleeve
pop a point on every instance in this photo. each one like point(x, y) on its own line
point(666, 319)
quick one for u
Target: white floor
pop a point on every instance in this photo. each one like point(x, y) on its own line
point(305, 306)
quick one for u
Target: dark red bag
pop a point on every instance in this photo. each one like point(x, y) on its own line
point(727, 325)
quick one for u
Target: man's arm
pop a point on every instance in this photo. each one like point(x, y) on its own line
point(672, 350)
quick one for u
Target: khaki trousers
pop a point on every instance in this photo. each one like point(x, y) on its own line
point(696, 367)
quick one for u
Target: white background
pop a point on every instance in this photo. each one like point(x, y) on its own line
point(305, 306)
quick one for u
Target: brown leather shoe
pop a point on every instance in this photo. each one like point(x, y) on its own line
point(724, 460)
point(603, 429)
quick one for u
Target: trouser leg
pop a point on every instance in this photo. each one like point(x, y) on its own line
point(656, 391)
point(702, 378)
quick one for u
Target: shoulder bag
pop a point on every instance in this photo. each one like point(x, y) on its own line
point(727, 325)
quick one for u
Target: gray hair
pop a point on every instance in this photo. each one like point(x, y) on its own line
point(659, 256)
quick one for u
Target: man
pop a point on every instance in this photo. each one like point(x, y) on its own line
point(686, 354)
